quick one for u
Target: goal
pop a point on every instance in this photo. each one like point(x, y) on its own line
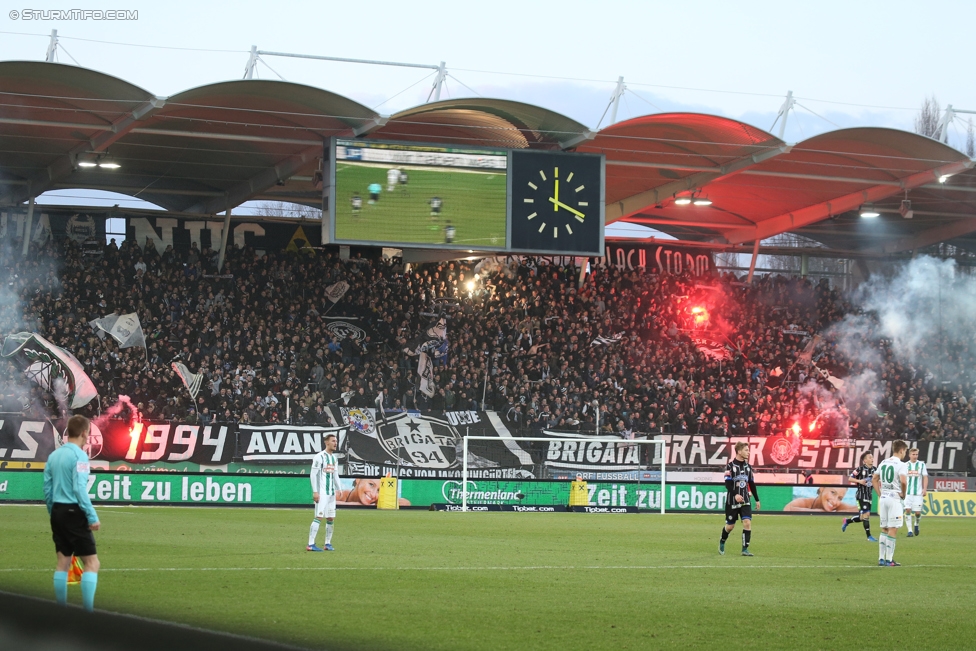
point(600, 459)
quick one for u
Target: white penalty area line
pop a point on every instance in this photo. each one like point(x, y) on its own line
point(486, 568)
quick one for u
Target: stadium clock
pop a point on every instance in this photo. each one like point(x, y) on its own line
point(557, 202)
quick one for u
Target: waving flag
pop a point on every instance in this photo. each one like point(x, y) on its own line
point(191, 381)
point(50, 367)
point(125, 329)
point(336, 291)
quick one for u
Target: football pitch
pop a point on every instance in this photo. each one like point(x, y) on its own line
point(474, 202)
point(435, 580)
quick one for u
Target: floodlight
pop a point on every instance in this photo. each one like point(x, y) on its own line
point(868, 211)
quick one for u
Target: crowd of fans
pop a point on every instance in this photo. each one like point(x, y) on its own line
point(635, 351)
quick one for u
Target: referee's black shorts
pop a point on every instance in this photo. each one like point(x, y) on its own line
point(69, 529)
point(733, 514)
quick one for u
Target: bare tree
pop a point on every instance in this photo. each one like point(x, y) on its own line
point(970, 139)
point(927, 120)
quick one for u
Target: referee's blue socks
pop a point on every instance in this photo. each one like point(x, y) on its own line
point(61, 587)
point(89, 581)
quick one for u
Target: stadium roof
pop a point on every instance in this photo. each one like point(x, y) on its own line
point(217, 146)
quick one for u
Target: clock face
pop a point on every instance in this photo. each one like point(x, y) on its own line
point(557, 202)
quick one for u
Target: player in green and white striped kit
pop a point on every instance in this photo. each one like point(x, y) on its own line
point(325, 485)
point(918, 486)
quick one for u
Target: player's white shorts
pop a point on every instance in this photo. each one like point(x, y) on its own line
point(913, 503)
point(891, 511)
point(325, 507)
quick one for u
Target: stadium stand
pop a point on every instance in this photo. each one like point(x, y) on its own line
point(625, 339)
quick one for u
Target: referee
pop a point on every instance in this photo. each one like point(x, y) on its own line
point(73, 517)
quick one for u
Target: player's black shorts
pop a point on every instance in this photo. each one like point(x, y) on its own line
point(69, 528)
point(374, 197)
point(744, 512)
point(864, 506)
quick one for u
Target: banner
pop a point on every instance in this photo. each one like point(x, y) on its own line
point(956, 505)
point(219, 489)
point(80, 224)
point(660, 258)
point(206, 489)
point(293, 443)
point(813, 454)
point(26, 441)
point(679, 497)
point(415, 444)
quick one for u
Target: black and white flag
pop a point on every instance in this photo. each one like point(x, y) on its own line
point(125, 329)
point(190, 381)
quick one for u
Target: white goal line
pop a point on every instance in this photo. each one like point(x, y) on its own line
point(508, 441)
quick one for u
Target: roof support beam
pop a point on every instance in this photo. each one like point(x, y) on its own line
point(929, 237)
point(663, 221)
point(811, 214)
point(65, 165)
point(259, 183)
point(372, 125)
point(634, 204)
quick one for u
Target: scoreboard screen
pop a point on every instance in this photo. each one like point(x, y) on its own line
point(455, 197)
point(401, 193)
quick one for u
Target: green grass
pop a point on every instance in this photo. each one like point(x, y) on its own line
point(474, 203)
point(423, 580)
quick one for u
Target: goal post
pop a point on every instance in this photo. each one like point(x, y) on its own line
point(656, 459)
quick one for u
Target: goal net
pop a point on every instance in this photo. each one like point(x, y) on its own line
point(536, 471)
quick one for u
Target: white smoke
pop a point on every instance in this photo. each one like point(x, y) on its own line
point(922, 317)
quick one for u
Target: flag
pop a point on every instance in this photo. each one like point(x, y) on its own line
point(124, 329)
point(425, 369)
point(806, 357)
point(606, 341)
point(75, 571)
point(431, 344)
point(190, 381)
point(336, 291)
point(50, 367)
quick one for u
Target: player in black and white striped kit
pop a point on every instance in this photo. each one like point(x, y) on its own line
point(862, 477)
point(739, 481)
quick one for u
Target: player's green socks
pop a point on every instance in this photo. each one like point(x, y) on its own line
point(61, 587)
point(908, 521)
point(891, 549)
point(328, 532)
point(313, 531)
point(918, 519)
point(882, 546)
point(89, 581)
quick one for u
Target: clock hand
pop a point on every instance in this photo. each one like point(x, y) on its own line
point(555, 206)
point(560, 204)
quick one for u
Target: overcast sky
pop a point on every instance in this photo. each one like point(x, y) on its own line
point(852, 63)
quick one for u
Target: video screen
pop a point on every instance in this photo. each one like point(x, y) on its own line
point(399, 193)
